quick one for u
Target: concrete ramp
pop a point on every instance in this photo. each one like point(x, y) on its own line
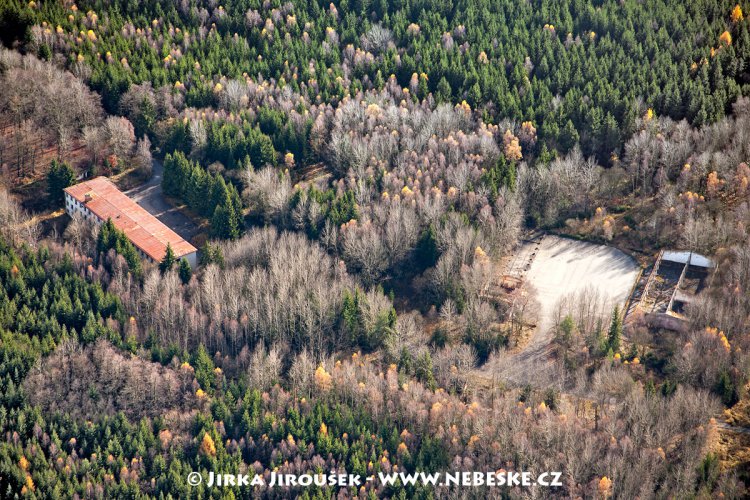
point(562, 267)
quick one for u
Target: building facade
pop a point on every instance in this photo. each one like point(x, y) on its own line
point(98, 200)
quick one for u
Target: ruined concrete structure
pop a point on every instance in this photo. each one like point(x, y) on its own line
point(675, 281)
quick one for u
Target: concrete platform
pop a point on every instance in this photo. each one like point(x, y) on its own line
point(560, 268)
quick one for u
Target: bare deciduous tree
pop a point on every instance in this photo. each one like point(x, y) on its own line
point(120, 136)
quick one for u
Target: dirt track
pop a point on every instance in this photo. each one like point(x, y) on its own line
point(561, 267)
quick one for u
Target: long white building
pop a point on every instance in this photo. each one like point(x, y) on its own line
point(98, 200)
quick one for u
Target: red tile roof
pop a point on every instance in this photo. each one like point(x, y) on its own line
point(145, 231)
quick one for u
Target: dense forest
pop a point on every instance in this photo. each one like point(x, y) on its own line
point(581, 69)
point(360, 173)
point(78, 358)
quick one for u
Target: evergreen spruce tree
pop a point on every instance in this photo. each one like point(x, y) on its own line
point(59, 177)
point(204, 367)
point(568, 137)
point(405, 361)
point(168, 261)
point(185, 271)
point(211, 254)
point(423, 370)
point(615, 330)
point(567, 328)
point(225, 222)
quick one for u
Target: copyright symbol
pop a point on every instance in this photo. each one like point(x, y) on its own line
point(194, 478)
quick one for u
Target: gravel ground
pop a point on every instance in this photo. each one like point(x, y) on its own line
point(149, 195)
point(562, 267)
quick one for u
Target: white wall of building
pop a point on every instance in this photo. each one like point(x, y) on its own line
point(192, 259)
point(73, 206)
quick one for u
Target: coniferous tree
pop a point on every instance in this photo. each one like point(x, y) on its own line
point(111, 238)
point(567, 328)
point(615, 330)
point(569, 137)
point(59, 177)
point(423, 370)
point(225, 222)
point(168, 261)
point(204, 367)
point(725, 389)
point(173, 174)
point(211, 254)
point(185, 271)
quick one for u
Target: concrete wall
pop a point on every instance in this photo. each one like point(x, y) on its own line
point(666, 321)
point(192, 259)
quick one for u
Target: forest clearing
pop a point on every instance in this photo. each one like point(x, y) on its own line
point(559, 270)
point(283, 236)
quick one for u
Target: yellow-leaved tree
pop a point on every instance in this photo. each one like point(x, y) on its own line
point(737, 14)
point(605, 487)
point(322, 379)
point(512, 148)
point(725, 38)
point(207, 447)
